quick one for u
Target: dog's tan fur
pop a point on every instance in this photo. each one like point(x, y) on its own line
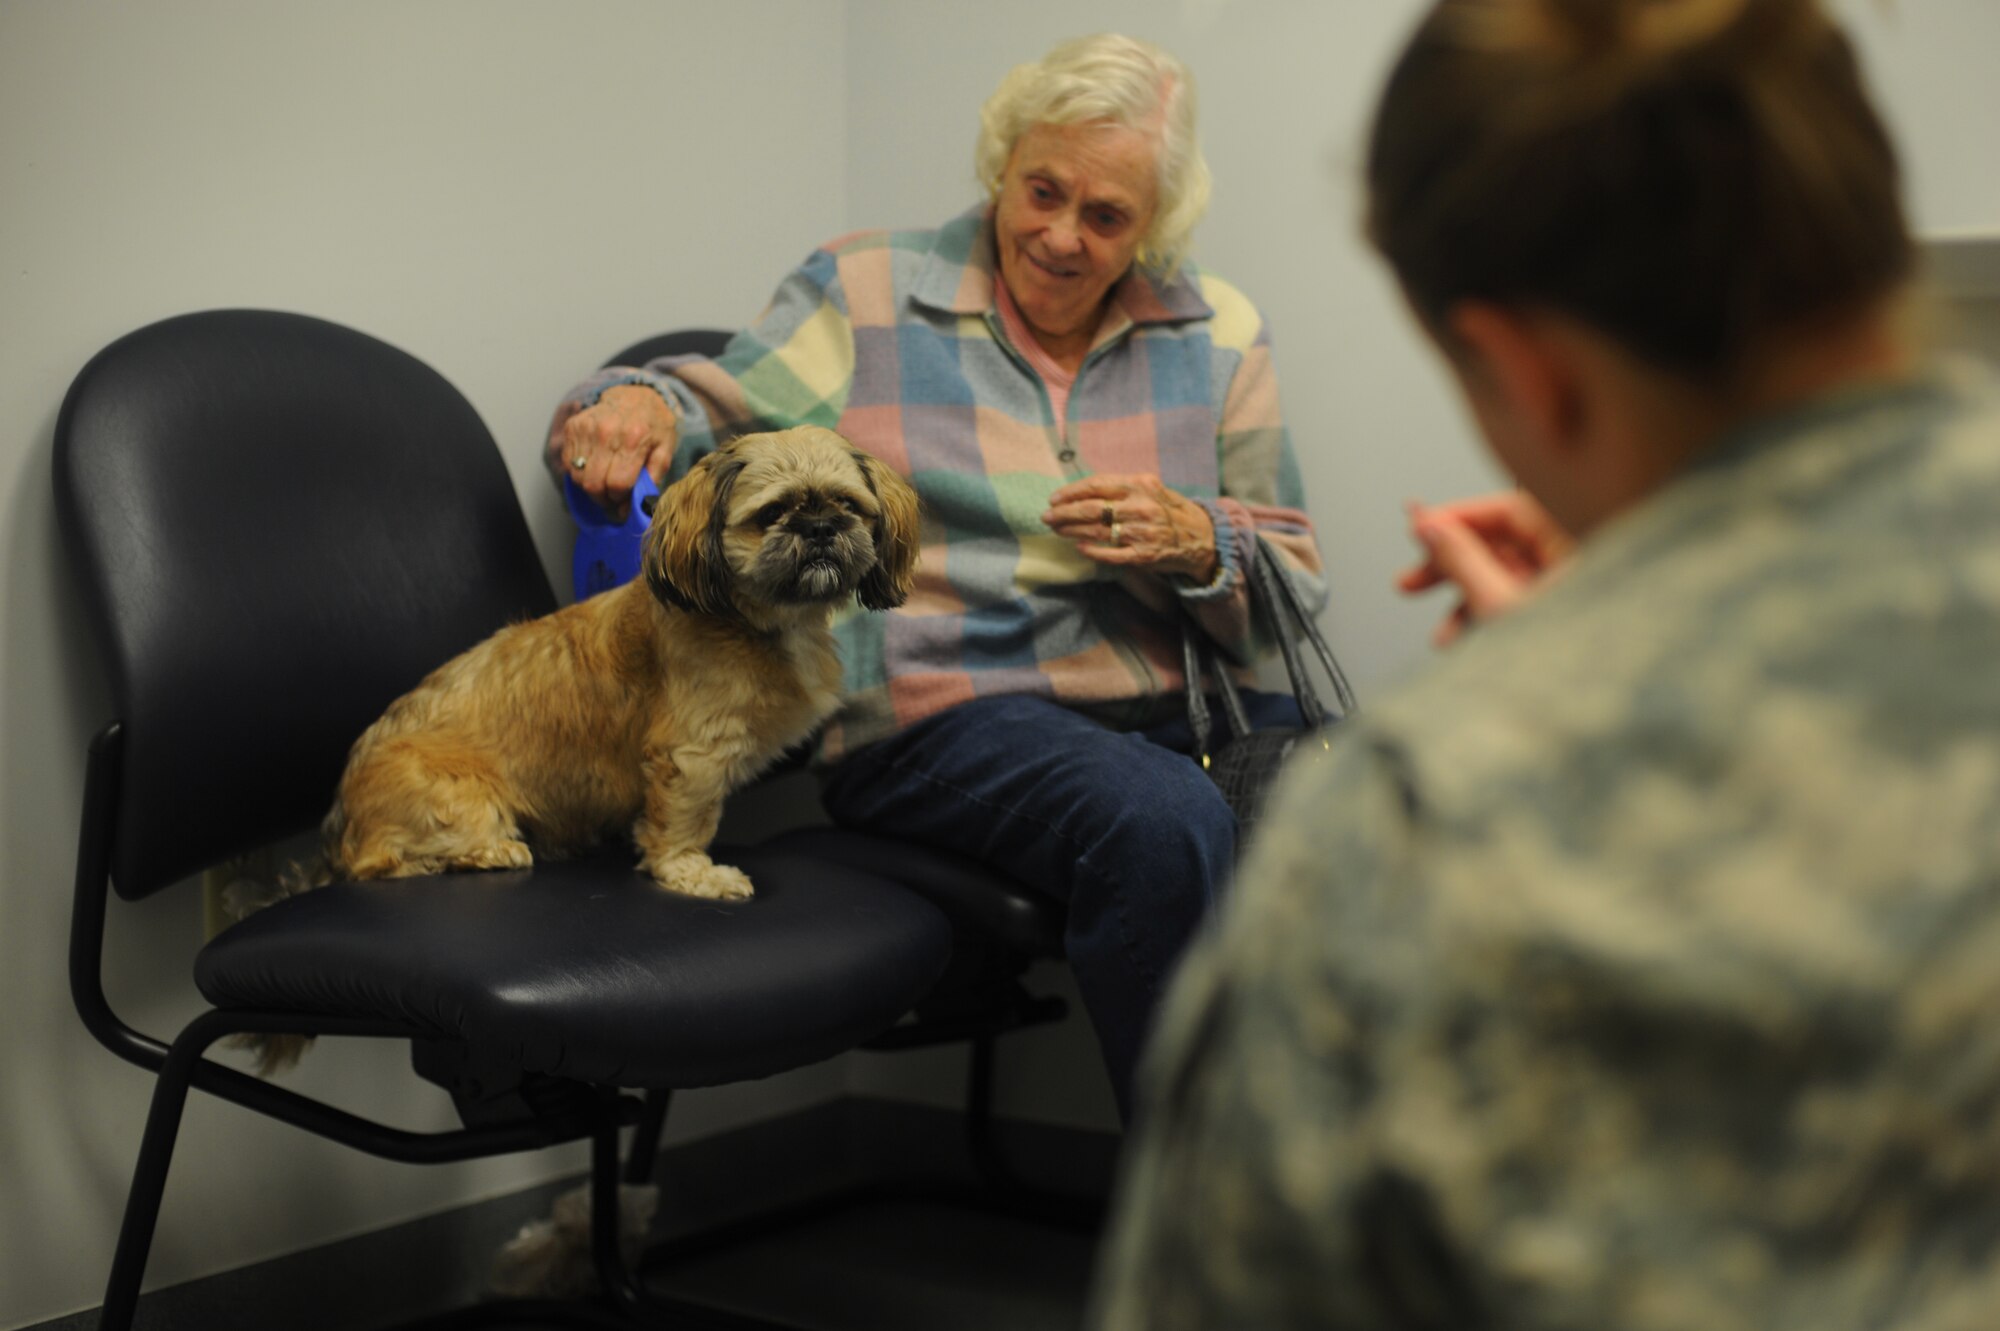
point(641, 708)
point(638, 710)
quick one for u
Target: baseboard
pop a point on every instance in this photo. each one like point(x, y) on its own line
point(443, 1261)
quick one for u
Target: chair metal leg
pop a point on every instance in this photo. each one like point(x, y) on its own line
point(627, 1295)
point(645, 1152)
point(615, 1275)
point(1006, 1191)
point(177, 1073)
point(149, 1176)
point(982, 1143)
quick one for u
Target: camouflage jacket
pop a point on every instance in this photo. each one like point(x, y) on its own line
point(1638, 966)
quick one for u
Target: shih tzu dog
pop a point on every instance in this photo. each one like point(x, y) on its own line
point(638, 710)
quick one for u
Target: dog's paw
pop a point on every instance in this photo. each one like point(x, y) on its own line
point(699, 876)
point(510, 854)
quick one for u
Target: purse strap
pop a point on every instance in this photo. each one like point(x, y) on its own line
point(1272, 594)
point(1281, 613)
point(1278, 590)
point(1193, 659)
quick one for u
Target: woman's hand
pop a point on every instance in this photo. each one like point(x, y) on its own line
point(1135, 522)
point(1494, 549)
point(606, 444)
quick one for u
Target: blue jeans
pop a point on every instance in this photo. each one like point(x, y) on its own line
point(1122, 827)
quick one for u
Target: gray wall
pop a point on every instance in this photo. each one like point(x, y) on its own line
point(494, 186)
point(511, 189)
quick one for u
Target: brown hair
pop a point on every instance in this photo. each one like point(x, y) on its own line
point(1687, 176)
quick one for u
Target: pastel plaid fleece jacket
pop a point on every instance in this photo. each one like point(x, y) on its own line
point(893, 340)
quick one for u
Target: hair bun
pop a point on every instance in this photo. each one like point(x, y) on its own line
point(1689, 176)
point(1643, 32)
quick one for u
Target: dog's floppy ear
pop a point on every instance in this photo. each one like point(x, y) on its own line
point(683, 556)
point(897, 536)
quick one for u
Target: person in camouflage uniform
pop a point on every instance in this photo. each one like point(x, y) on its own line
point(1637, 966)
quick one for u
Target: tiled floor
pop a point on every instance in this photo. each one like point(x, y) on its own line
point(901, 1266)
point(895, 1263)
point(893, 1266)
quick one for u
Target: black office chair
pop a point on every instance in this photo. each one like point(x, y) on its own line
point(1000, 929)
point(279, 525)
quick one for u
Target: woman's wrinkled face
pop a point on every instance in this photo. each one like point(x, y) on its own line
point(1074, 204)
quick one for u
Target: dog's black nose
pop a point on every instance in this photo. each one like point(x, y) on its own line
point(817, 528)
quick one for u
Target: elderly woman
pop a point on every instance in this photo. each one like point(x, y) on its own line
point(1093, 426)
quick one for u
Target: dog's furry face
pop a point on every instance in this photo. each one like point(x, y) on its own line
point(798, 518)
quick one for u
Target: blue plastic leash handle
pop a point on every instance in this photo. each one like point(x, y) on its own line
point(607, 552)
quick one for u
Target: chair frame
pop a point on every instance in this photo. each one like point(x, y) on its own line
point(598, 1113)
point(568, 1111)
point(545, 1111)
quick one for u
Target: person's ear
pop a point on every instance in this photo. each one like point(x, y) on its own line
point(1525, 366)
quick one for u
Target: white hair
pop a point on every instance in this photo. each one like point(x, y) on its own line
point(1128, 82)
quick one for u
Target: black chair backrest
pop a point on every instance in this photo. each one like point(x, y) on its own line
point(680, 342)
point(278, 524)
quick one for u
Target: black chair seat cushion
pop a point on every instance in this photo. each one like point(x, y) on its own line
point(980, 900)
point(590, 971)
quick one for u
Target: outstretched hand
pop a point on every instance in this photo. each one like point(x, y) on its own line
point(1494, 549)
point(1135, 522)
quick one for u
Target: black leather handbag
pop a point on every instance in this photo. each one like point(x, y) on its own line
point(1246, 762)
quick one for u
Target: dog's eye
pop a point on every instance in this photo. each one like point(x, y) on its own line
point(770, 513)
point(853, 505)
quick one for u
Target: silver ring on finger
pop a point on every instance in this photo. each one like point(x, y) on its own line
point(579, 461)
point(1117, 535)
